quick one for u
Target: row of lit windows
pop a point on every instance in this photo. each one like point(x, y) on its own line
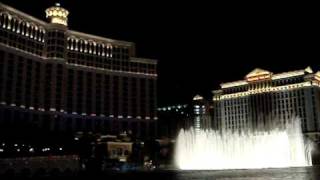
point(22, 27)
point(264, 84)
point(17, 90)
point(270, 97)
point(285, 114)
point(99, 49)
point(109, 89)
point(239, 121)
point(65, 123)
point(21, 42)
point(106, 63)
point(42, 95)
point(55, 48)
point(232, 112)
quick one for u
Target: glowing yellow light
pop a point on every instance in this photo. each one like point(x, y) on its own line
point(58, 15)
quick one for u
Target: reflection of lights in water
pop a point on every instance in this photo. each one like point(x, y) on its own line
point(210, 149)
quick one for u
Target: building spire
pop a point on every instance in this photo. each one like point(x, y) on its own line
point(57, 14)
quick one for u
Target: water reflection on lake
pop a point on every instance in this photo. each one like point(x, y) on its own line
point(304, 173)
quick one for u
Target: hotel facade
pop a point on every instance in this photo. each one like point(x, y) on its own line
point(264, 97)
point(63, 80)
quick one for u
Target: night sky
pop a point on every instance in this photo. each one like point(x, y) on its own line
point(198, 46)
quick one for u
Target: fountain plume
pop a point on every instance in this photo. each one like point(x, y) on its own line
point(268, 146)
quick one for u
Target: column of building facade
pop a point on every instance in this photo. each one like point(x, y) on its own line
point(308, 109)
point(274, 106)
point(110, 94)
point(120, 101)
point(93, 94)
point(4, 77)
point(2, 54)
point(23, 83)
point(14, 80)
point(314, 107)
point(41, 85)
point(147, 114)
point(64, 88)
point(64, 97)
point(2, 119)
point(153, 114)
point(41, 94)
point(130, 115)
point(266, 113)
point(138, 105)
point(32, 86)
point(109, 103)
point(75, 94)
point(47, 92)
point(53, 92)
point(155, 105)
point(84, 92)
point(120, 97)
point(317, 107)
point(102, 99)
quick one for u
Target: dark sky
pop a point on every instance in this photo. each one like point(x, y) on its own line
point(199, 45)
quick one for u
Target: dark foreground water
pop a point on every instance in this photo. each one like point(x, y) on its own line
point(309, 173)
point(262, 174)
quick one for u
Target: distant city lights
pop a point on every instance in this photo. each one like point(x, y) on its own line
point(175, 108)
point(45, 149)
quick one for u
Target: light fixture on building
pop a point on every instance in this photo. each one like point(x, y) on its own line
point(57, 15)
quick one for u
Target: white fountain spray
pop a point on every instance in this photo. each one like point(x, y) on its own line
point(247, 149)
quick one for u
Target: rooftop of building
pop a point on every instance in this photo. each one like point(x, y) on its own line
point(261, 74)
point(39, 22)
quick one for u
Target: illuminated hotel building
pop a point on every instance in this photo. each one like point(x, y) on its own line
point(64, 80)
point(195, 114)
point(264, 96)
point(201, 115)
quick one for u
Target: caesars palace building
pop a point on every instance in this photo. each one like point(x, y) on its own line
point(63, 80)
point(263, 97)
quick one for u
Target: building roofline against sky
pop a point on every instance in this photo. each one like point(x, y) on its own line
point(273, 76)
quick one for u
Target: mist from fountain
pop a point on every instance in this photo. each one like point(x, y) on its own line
point(273, 147)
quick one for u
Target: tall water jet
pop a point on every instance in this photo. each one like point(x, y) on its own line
point(247, 149)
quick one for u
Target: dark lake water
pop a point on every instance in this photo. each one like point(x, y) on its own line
point(309, 173)
point(263, 174)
